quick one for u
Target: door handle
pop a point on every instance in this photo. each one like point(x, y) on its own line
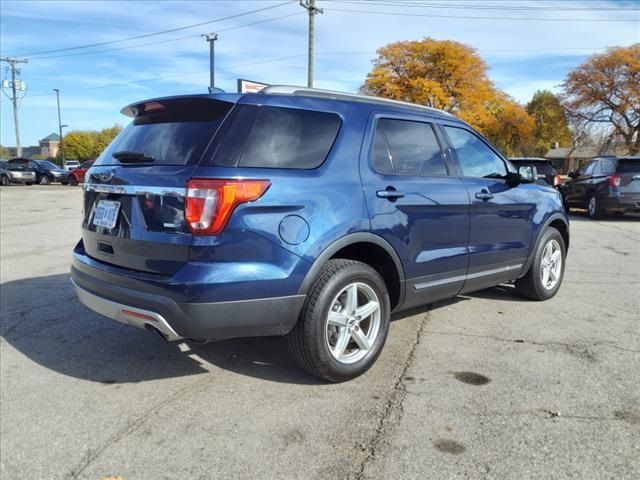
point(484, 195)
point(390, 194)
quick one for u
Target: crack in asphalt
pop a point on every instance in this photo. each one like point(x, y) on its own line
point(568, 346)
point(394, 408)
point(93, 454)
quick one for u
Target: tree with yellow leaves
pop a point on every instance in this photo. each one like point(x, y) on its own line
point(450, 76)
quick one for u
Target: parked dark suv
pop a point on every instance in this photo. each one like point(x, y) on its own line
point(305, 213)
point(604, 184)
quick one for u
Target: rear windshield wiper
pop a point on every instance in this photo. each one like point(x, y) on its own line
point(128, 156)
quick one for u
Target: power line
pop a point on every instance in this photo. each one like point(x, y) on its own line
point(486, 7)
point(290, 57)
point(434, 15)
point(92, 52)
point(177, 29)
point(176, 75)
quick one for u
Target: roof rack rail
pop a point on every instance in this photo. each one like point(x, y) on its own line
point(319, 92)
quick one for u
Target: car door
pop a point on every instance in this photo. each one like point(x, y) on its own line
point(575, 193)
point(416, 205)
point(501, 215)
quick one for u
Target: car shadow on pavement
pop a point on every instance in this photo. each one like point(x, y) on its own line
point(42, 319)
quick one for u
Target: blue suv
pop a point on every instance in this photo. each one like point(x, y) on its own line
point(306, 213)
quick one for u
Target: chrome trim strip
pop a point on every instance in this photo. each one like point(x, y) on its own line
point(114, 310)
point(135, 190)
point(459, 278)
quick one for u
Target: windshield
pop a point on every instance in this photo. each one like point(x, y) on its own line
point(47, 165)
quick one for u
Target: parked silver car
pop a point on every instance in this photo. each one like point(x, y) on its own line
point(16, 174)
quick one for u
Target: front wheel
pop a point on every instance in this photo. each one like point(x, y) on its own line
point(44, 180)
point(344, 322)
point(72, 181)
point(545, 274)
point(4, 180)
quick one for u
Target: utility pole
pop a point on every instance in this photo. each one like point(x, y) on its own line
point(60, 127)
point(16, 85)
point(312, 10)
point(211, 38)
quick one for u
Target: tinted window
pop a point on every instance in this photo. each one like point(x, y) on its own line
point(475, 157)
point(404, 147)
point(173, 132)
point(47, 165)
point(628, 166)
point(276, 137)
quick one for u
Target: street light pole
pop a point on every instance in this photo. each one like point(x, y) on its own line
point(59, 126)
point(211, 38)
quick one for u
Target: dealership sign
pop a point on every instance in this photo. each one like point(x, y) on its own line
point(249, 86)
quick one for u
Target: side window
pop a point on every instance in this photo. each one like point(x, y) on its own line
point(608, 166)
point(33, 165)
point(405, 147)
point(475, 157)
point(588, 169)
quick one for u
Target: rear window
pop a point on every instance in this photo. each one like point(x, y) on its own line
point(172, 131)
point(275, 137)
point(628, 165)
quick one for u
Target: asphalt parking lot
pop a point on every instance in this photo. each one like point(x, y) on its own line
point(483, 386)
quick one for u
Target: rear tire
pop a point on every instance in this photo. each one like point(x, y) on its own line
point(593, 207)
point(29, 183)
point(545, 274)
point(4, 181)
point(344, 322)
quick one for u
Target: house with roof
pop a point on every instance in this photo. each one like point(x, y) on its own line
point(565, 159)
point(50, 145)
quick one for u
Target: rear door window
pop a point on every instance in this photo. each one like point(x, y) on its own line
point(275, 137)
point(171, 131)
point(405, 147)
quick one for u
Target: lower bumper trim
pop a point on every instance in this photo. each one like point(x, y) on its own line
point(127, 314)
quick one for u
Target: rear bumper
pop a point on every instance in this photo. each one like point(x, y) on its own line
point(23, 179)
point(176, 320)
point(621, 202)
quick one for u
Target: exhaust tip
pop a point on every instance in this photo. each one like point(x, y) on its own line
point(152, 328)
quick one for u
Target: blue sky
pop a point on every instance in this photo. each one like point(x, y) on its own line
point(523, 55)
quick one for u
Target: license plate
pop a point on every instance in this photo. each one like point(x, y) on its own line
point(106, 214)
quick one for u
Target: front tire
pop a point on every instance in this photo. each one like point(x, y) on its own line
point(72, 181)
point(4, 181)
point(44, 180)
point(344, 322)
point(545, 274)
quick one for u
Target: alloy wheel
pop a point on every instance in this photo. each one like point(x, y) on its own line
point(353, 323)
point(551, 264)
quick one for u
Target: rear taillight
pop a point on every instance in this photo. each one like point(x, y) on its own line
point(614, 181)
point(210, 203)
point(557, 180)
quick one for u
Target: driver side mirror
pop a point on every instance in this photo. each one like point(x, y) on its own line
point(528, 173)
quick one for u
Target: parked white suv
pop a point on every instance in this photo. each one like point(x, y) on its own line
point(71, 165)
